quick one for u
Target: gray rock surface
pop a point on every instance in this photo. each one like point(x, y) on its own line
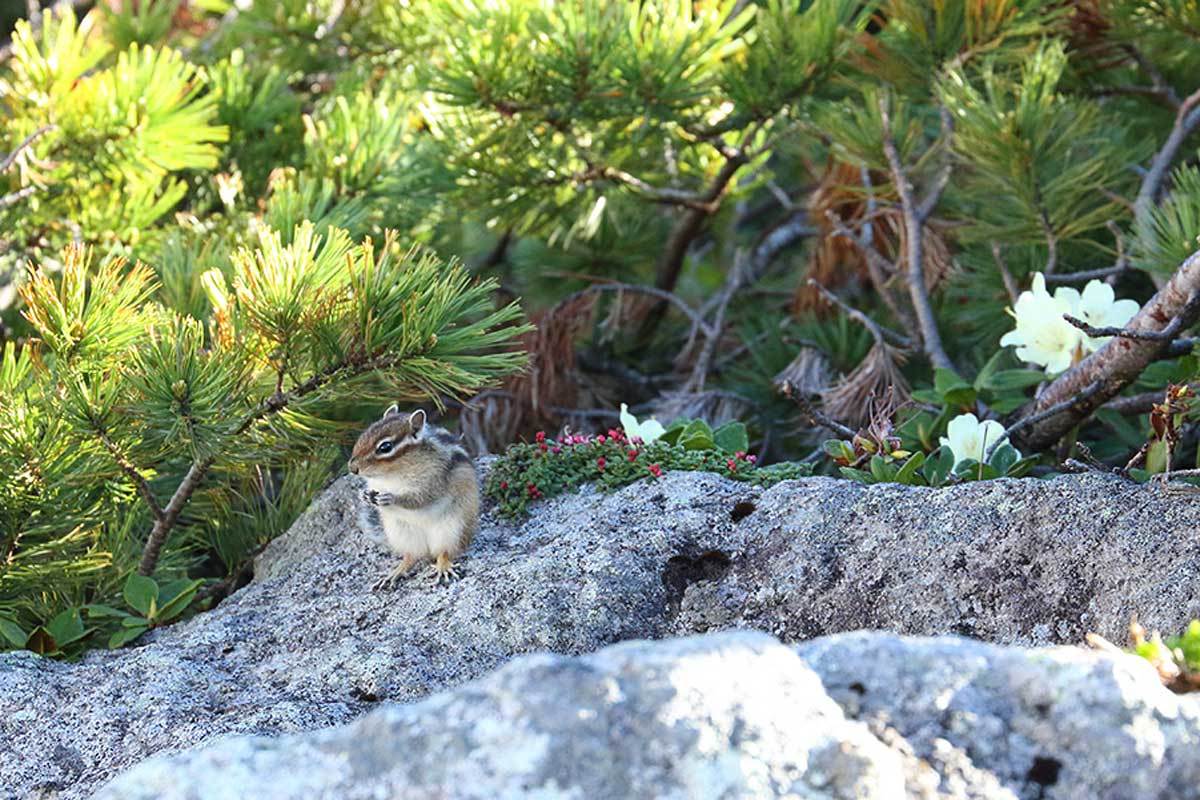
point(737, 715)
point(308, 645)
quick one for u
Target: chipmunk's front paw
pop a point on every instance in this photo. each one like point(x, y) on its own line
point(380, 499)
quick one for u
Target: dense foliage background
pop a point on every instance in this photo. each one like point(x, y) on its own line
point(796, 214)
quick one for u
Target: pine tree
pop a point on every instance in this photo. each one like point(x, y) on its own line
point(235, 212)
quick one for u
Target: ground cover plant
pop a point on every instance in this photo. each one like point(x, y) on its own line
point(892, 241)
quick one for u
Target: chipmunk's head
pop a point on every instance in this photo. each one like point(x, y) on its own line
point(395, 442)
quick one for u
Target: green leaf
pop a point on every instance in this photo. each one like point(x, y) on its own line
point(1008, 403)
point(125, 635)
point(98, 611)
point(697, 436)
point(838, 449)
point(674, 430)
point(908, 474)
point(938, 465)
point(881, 470)
point(179, 601)
point(1008, 380)
point(928, 396)
point(13, 632)
point(859, 475)
point(67, 627)
point(1022, 467)
point(133, 622)
point(732, 437)
point(1003, 458)
point(140, 592)
point(946, 381)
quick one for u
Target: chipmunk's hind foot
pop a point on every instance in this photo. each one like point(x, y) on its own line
point(395, 575)
point(443, 570)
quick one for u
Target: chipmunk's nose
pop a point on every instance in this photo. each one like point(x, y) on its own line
point(353, 465)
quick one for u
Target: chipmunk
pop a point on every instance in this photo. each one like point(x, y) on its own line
point(425, 487)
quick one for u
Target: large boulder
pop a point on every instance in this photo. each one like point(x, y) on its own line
point(308, 644)
point(737, 715)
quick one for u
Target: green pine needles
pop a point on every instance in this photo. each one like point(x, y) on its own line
point(128, 427)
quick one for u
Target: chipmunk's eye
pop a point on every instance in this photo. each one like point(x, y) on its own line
point(384, 447)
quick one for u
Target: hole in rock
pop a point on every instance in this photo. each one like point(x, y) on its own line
point(682, 571)
point(1044, 771)
point(741, 510)
point(858, 688)
point(364, 695)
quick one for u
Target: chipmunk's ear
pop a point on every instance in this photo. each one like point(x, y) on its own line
point(393, 410)
point(416, 420)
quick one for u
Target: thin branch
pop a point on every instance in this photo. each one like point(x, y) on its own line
point(270, 405)
point(1010, 285)
point(1159, 83)
point(1186, 120)
point(733, 281)
point(615, 286)
point(27, 142)
point(132, 472)
point(164, 524)
point(670, 261)
point(1167, 334)
point(1058, 408)
point(881, 334)
point(12, 198)
point(914, 218)
point(816, 417)
point(877, 269)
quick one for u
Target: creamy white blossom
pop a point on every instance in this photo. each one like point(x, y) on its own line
point(1044, 338)
point(647, 430)
point(968, 438)
point(1099, 307)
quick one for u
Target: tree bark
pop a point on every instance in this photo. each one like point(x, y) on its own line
point(1117, 363)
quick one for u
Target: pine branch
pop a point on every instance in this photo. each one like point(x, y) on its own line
point(271, 405)
point(670, 261)
point(915, 215)
point(1186, 120)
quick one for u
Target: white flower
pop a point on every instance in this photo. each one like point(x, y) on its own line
point(647, 431)
point(1099, 307)
point(968, 438)
point(1044, 338)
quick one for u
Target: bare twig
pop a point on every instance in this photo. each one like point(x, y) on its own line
point(1165, 335)
point(15, 197)
point(1010, 285)
point(1054, 410)
point(879, 332)
point(697, 321)
point(670, 261)
point(815, 416)
point(28, 141)
point(915, 215)
point(1186, 120)
point(132, 472)
point(877, 268)
point(1157, 80)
